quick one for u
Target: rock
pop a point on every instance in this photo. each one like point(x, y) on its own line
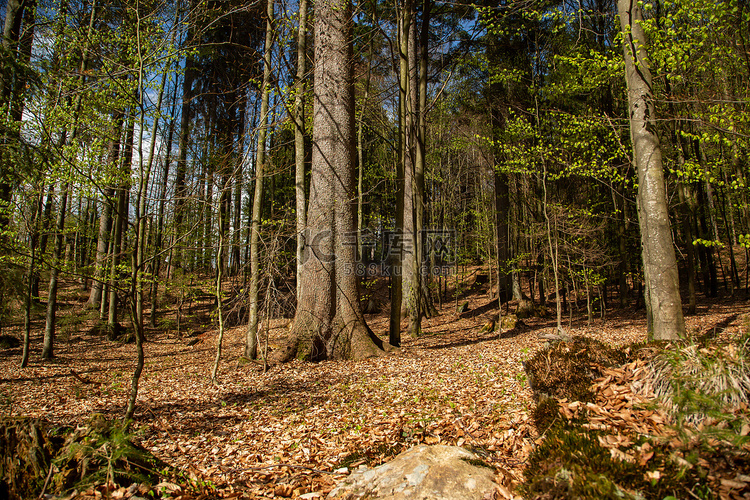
point(463, 307)
point(435, 472)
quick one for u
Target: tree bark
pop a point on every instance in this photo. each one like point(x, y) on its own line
point(14, 15)
point(663, 303)
point(162, 200)
point(251, 341)
point(105, 220)
point(121, 218)
point(328, 323)
point(180, 188)
point(299, 137)
point(49, 329)
point(410, 287)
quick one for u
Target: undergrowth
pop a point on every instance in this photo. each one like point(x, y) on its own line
point(705, 388)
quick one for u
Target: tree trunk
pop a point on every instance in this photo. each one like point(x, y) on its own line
point(180, 189)
point(105, 220)
point(299, 137)
point(663, 304)
point(9, 44)
point(121, 219)
point(396, 254)
point(251, 341)
point(361, 153)
point(412, 195)
point(328, 322)
point(219, 310)
point(162, 200)
point(49, 329)
point(426, 304)
point(235, 245)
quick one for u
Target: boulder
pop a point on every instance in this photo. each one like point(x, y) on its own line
point(425, 472)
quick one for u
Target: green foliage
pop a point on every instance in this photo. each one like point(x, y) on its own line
point(571, 464)
point(102, 452)
point(708, 387)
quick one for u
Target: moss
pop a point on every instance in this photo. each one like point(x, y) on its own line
point(564, 370)
point(97, 453)
point(546, 414)
point(102, 452)
point(571, 464)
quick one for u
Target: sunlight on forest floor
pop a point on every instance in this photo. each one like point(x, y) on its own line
point(298, 423)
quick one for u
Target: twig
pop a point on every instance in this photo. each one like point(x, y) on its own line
point(166, 429)
point(83, 379)
point(46, 481)
point(245, 469)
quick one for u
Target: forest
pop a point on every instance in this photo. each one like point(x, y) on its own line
point(264, 243)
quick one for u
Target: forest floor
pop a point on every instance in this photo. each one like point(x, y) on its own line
point(298, 428)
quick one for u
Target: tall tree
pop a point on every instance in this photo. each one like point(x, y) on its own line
point(663, 303)
point(251, 342)
point(66, 135)
point(186, 115)
point(15, 51)
point(299, 136)
point(328, 322)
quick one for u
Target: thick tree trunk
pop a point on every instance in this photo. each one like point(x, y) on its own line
point(10, 37)
point(397, 256)
point(408, 85)
point(329, 323)
point(427, 306)
point(663, 303)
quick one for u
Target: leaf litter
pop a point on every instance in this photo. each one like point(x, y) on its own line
point(295, 430)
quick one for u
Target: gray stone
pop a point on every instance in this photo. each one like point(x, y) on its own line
point(425, 473)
